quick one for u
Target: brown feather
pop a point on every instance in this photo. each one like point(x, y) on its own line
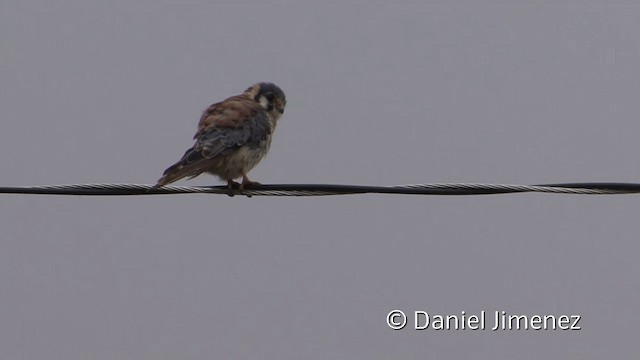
point(230, 113)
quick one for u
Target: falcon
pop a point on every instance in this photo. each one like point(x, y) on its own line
point(233, 136)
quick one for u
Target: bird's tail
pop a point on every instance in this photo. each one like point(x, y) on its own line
point(169, 176)
point(188, 166)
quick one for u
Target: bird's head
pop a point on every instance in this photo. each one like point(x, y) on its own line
point(269, 96)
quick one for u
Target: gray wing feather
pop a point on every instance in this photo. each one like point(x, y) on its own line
point(223, 141)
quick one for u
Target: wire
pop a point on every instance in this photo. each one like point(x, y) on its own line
point(327, 189)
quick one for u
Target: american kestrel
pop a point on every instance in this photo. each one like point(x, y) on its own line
point(233, 136)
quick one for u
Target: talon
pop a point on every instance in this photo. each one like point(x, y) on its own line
point(231, 185)
point(249, 184)
point(246, 182)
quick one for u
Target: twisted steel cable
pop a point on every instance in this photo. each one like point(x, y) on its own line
point(327, 189)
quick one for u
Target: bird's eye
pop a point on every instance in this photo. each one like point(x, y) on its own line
point(270, 96)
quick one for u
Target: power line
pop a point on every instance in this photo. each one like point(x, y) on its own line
point(327, 189)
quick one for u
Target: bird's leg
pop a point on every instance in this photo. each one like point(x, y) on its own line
point(247, 182)
point(232, 185)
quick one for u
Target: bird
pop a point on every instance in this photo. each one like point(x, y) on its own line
point(233, 136)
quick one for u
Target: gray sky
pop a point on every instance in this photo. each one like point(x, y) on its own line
point(378, 93)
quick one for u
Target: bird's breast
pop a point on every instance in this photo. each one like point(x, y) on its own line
point(241, 161)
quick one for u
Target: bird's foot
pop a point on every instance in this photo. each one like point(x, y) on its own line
point(246, 183)
point(232, 185)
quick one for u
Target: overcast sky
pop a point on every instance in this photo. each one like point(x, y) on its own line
point(379, 93)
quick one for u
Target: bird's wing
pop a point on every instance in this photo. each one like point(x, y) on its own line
point(229, 125)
